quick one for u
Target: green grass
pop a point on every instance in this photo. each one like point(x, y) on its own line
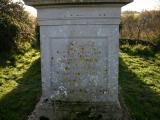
point(20, 83)
point(140, 84)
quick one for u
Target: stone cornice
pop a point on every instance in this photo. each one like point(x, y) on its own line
point(73, 2)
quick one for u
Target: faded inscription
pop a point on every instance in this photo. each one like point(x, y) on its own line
point(79, 69)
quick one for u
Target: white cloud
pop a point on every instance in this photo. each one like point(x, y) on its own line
point(17, 1)
point(140, 5)
point(32, 10)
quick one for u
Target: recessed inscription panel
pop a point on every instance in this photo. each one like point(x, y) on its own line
point(79, 68)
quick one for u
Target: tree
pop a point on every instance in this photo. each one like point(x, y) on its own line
point(144, 25)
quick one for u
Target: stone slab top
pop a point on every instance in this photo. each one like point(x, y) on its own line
point(73, 2)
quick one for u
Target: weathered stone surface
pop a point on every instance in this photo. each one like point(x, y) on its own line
point(80, 60)
point(59, 2)
point(50, 110)
point(79, 57)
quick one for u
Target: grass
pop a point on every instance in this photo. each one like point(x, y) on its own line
point(20, 83)
point(140, 84)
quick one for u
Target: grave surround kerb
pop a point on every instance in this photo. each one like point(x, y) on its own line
point(79, 55)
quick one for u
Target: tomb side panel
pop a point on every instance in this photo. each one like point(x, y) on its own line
point(60, 40)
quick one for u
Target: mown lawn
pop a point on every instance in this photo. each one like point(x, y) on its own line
point(20, 84)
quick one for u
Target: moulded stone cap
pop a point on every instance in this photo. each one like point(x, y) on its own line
point(73, 2)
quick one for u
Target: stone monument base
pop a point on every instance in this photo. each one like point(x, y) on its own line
point(60, 110)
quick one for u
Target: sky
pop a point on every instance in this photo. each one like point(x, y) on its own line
point(140, 5)
point(137, 5)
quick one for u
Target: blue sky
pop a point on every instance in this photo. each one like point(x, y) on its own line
point(137, 5)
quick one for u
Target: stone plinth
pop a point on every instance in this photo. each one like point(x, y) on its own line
point(79, 57)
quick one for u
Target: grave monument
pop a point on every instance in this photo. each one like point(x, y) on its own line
point(79, 58)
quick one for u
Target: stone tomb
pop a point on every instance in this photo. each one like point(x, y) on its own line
point(79, 57)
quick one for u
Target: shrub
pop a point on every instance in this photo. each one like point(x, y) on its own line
point(157, 43)
point(16, 27)
point(138, 49)
point(142, 50)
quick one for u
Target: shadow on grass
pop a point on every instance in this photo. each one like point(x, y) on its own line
point(142, 101)
point(17, 104)
point(7, 59)
point(145, 52)
point(142, 48)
